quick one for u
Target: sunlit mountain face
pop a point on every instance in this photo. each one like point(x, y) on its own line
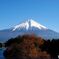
point(28, 27)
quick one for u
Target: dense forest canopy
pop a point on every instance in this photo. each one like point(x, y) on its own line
point(31, 46)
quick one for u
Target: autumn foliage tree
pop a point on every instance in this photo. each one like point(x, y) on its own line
point(25, 47)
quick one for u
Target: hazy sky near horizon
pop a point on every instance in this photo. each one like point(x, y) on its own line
point(45, 12)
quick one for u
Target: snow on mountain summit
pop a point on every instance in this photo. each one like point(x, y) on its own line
point(28, 27)
point(35, 24)
point(22, 25)
point(29, 24)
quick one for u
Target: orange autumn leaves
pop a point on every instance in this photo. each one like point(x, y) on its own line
point(28, 47)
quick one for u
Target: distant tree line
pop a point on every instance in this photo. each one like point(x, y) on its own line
point(1, 45)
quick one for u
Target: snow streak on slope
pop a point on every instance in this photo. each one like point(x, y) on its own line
point(35, 24)
point(22, 25)
point(29, 24)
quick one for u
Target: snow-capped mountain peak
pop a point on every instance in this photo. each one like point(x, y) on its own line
point(28, 27)
point(29, 24)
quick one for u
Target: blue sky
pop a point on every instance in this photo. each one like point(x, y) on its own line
point(13, 12)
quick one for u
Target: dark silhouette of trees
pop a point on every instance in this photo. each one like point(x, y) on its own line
point(0, 45)
point(52, 47)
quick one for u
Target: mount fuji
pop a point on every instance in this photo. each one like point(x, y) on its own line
point(28, 27)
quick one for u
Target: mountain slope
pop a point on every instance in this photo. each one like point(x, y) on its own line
point(29, 24)
point(28, 27)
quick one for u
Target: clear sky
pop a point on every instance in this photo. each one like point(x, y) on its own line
point(13, 12)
